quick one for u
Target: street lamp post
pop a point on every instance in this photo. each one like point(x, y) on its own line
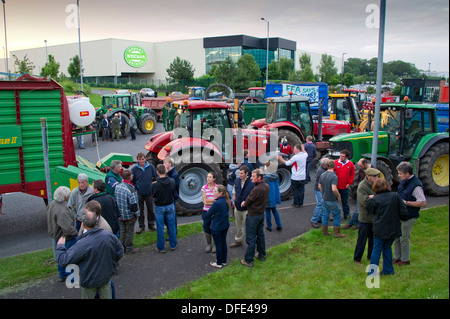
point(342, 70)
point(79, 45)
point(46, 51)
point(6, 40)
point(267, 58)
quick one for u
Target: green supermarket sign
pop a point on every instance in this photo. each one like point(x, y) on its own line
point(135, 56)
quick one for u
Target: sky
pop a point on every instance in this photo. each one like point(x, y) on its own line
point(417, 31)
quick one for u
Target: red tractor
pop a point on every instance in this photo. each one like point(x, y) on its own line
point(204, 136)
point(291, 116)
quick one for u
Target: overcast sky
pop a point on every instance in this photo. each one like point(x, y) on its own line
point(417, 31)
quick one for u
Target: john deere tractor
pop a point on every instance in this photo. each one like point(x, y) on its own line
point(407, 132)
point(128, 105)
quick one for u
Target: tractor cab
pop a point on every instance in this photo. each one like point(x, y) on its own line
point(343, 107)
point(256, 95)
point(196, 93)
point(292, 110)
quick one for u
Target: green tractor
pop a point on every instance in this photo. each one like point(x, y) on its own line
point(407, 132)
point(126, 104)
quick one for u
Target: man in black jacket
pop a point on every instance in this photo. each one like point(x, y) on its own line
point(110, 211)
point(164, 195)
point(242, 187)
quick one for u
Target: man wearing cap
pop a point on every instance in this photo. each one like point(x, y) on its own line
point(365, 219)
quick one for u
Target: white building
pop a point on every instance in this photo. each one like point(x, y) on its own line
point(146, 62)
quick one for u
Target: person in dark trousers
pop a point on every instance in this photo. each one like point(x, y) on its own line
point(133, 126)
point(105, 128)
point(388, 208)
point(254, 223)
point(220, 224)
point(96, 253)
point(164, 195)
point(365, 231)
point(144, 174)
point(242, 188)
point(345, 171)
point(127, 201)
point(411, 191)
point(298, 176)
point(110, 210)
point(311, 149)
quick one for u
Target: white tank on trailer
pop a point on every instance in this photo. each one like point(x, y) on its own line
point(81, 111)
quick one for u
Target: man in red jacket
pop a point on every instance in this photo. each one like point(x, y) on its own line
point(345, 171)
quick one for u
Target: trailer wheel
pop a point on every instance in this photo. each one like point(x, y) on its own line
point(147, 123)
point(192, 179)
point(433, 170)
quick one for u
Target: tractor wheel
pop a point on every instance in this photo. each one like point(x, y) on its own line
point(292, 138)
point(433, 170)
point(147, 124)
point(385, 171)
point(284, 175)
point(192, 179)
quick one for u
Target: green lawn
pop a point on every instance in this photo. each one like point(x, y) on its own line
point(314, 266)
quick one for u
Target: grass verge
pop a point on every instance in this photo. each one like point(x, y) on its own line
point(318, 267)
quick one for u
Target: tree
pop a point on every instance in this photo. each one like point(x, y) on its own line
point(180, 70)
point(304, 59)
point(349, 79)
point(247, 71)
point(274, 71)
point(226, 72)
point(327, 69)
point(24, 66)
point(51, 68)
point(285, 66)
point(74, 67)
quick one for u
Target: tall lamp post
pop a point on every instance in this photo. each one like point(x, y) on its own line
point(267, 61)
point(6, 41)
point(79, 45)
point(342, 70)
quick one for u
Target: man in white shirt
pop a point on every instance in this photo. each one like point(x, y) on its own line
point(298, 170)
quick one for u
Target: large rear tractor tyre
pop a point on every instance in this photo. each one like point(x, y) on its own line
point(291, 137)
point(192, 179)
point(385, 171)
point(433, 170)
point(147, 124)
point(284, 176)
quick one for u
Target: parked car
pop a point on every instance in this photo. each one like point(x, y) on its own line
point(145, 92)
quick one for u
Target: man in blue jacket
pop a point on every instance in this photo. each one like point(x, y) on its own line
point(242, 187)
point(96, 253)
point(144, 174)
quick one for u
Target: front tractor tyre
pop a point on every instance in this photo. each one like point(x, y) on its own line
point(147, 124)
point(192, 179)
point(433, 170)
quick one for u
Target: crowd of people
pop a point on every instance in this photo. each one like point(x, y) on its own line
point(94, 226)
